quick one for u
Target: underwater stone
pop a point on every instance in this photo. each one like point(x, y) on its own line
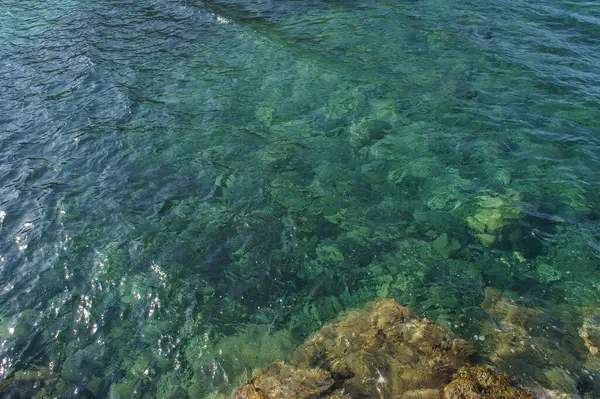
point(385, 351)
point(35, 383)
point(523, 339)
point(550, 394)
point(384, 109)
point(494, 212)
point(510, 326)
point(480, 382)
point(444, 247)
point(82, 365)
point(590, 332)
point(562, 380)
point(486, 239)
point(368, 130)
point(548, 273)
point(374, 173)
point(503, 176)
point(122, 390)
point(417, 169)
point(447, 191)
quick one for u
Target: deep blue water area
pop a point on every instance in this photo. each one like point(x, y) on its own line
point(189, 189)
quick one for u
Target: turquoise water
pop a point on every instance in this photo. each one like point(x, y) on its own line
point(189, 189)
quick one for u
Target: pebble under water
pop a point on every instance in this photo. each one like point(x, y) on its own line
point(189, 189)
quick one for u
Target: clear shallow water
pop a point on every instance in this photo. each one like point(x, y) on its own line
point(189, 189)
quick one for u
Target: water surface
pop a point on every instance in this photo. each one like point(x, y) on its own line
point(188, 189)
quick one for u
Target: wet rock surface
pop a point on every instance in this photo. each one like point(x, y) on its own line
point(281, 381)
point(483, 383)
point(382, 352)
point(385, 351)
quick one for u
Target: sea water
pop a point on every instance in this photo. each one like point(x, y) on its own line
point(189, 189)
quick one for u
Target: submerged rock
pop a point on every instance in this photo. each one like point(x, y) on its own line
point(35, 383)
point(510, 326)
point(590, 332)
point(547, 354)
point(368, 130)
point(385, 351)
point(494, 212)
point(443, 247)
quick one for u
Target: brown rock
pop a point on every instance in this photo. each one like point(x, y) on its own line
point(248, 391)
point(280, 381)
point(338, 395)
point(387, 352)
point(590, 332)
point(423, 394)
point(483, 383)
